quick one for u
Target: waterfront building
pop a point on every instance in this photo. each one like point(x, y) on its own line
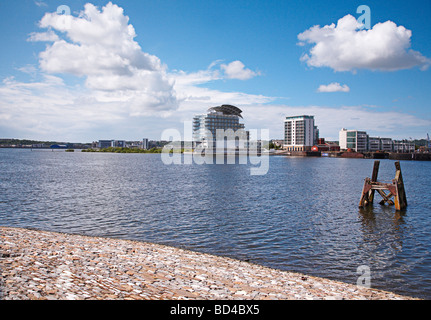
point(325, 146)
point(224, 117)
point(373, 144)
point(111, 143)
point(277, 142)
point(104, 144)
point(380, 144)
point(134, 144)
point(404, 146)
point(118, 144)
point(300, 133)
point(353, 139)
point(145, 144)
point(386, 144)
point(359, 141)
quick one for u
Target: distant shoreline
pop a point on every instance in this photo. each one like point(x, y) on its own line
point(298, 154)
point(124, 150)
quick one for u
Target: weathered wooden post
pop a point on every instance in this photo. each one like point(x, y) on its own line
point(400, 198)
point(374, 179)
point(396, 189)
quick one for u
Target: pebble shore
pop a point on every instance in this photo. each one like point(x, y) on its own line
point(55, 266)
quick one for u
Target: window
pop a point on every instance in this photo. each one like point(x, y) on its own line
point(351, 145)
point(351, 134)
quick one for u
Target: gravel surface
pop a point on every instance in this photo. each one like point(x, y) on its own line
point(55, 266)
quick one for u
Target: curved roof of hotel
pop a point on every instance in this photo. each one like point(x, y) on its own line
point(227, 109)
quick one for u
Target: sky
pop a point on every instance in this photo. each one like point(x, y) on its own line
point(81, 71)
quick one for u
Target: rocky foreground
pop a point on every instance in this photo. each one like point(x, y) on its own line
point(55, 266)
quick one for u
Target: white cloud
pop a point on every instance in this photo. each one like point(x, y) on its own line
point(195, 97)
point(237, 70)
point(50, 109)
point(122, 83)
point(343, 47)
point(333, 87)
point(29, 69)
point(49, 36)
point(100, 47)
point(40, 3)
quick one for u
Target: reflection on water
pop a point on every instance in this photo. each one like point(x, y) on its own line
point(301, 216)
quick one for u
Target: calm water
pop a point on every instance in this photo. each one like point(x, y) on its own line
point(301, 216)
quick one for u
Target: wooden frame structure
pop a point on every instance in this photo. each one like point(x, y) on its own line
point(396, 189)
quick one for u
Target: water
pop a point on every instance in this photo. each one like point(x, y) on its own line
point(301, 216)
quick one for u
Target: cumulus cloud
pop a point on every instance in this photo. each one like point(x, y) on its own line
point(344, 47)
point(237, 70)
point(333, 87)
point(48, 36)
point(123, 87)
point(100, 46)
point(195, 97)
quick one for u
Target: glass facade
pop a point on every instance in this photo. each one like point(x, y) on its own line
point(359, 141)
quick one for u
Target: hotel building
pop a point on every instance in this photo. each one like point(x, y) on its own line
point(223, 117)
point(300, 133)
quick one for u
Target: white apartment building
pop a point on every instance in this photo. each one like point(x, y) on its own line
point(300, 133)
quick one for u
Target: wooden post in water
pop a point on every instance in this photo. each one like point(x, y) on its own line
point(396, 189)
point(374, 179)
point(400, 199)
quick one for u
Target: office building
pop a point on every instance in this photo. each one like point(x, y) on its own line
point(111, 143)
point(403, 146)
point(300, 133)
point(118, 143)
point(359, 141)
point(380, 144)
point(354, 140)
point(373, 144)
point(386, 144)
point(104, 144)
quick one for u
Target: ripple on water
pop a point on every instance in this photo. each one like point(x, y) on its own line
point(301, 216)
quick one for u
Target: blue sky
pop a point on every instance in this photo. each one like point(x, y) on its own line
point(131, 69)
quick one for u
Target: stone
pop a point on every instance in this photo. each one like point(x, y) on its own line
point(102, 268)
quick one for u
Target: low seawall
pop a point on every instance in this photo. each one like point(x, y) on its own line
point(55, 266)
point(357, 155)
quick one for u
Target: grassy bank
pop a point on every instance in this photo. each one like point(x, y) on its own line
point(124, 150)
